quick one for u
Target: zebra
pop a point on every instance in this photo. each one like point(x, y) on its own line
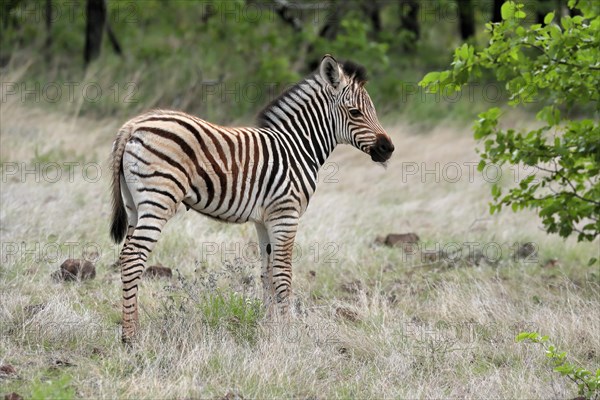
point(264, 174)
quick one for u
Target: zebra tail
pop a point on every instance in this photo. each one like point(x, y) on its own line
point(118, 228)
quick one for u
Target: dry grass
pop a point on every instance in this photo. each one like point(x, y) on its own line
point(372, 321)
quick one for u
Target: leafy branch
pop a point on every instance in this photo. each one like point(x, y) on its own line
point(560, 79)
point(587, 382)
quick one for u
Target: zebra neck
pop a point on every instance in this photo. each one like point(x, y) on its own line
point(309, 147)
point(301, 118)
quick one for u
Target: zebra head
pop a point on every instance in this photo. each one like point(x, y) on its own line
point(353, 112)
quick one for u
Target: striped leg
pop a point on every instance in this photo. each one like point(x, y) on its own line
point(133, 260)
point(282, 232)
point(266, 274)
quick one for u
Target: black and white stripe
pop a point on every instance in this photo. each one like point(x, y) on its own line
point(265, 174)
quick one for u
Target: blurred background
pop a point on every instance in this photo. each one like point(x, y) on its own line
point(224, 60)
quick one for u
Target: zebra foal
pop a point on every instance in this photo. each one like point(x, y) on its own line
point(264, 174)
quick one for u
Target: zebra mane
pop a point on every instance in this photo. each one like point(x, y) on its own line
point(354, 71)
point(261, 118)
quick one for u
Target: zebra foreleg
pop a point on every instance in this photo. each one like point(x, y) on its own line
point(282, 233)
point(266, 273)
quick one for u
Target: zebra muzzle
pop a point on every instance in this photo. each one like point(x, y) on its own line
point(382, 149)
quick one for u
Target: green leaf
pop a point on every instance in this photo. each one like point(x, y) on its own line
point(520, 14)
point(429, 79)
point(463, 51)
point(507, 10)
point(496, 191)
point(525, 335)
point(549, 18)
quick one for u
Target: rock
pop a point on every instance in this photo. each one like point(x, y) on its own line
point(346, 313)
point(401, 239)
point(553, 262)
point(13, 396)
point(408, 242)
point(527, 250)
point(158, 271)
point(7, 370)
point(75, 269)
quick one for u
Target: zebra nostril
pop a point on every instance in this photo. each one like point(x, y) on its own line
point(386, 147)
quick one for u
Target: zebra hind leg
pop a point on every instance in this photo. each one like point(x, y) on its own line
point(134, 256)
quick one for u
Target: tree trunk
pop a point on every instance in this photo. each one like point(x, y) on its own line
point(113, 39)
point(285, 13)
point(328, 31)
point(48, 44)
point(409, 17)
point(372, 10)
point(95, 24)
point(466, 16)
point(496, 13)
point(332, 23)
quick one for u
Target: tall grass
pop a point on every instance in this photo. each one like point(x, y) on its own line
point(369, 321)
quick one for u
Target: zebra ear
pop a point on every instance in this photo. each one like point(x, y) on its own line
point(330, 72)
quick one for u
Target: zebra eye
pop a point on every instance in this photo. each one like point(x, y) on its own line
point(355, 112)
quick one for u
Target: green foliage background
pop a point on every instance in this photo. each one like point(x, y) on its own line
point(554, 69)
point(224, 60)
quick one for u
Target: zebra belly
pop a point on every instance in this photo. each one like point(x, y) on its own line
point(243, 215)
point(212, 215)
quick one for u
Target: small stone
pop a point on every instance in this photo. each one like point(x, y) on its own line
point(75, 269)
point(7, 370)
point(401, 239)
point(158, 271)
point(551, 263)
point(527, 250)
point(13, 396)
